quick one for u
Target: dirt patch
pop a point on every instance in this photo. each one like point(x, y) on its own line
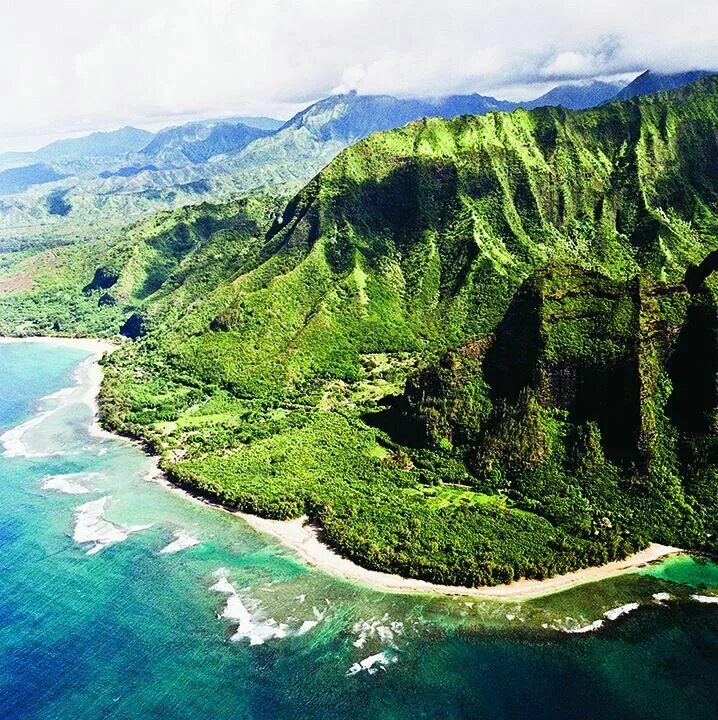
point(16, 283)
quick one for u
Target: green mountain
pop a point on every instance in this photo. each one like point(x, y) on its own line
point(317, 134)
point(421, 236)
point(593, 404)
point(206, 161)
point(469, 349)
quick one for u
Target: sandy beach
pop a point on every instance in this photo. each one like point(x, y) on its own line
point(303, 538)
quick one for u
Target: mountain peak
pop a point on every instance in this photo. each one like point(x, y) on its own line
point(576, 96)
point(650, 81)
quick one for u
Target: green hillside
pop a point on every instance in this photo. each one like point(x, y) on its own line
point(271, 348)
point(419, 237)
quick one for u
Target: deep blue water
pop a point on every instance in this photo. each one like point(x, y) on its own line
point(130, 632)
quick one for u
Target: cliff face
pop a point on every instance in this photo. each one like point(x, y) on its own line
point(589, 386)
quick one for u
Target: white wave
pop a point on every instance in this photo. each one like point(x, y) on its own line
point(595, 625)
point(250, 628)
point(12, 440)
point(222, 585)
point(660, 597)
point(622, 610)
point(92, 527)
point(259, 632)
point(708, 599)
point(610, 615)
point(235, 610)
point(87, 379)
point(383, 629)
point(68, 483)
point(182, 540)
point(372, 664)
point(306, 626)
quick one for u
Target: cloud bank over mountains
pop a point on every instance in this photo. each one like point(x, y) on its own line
point(78, 66)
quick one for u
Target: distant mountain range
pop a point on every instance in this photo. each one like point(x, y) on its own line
point(197, 142)
point(576, 97)
point(98, 144)
point(110, 178)
point(650, 82)
point(16, 180)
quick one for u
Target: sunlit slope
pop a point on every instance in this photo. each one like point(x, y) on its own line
point(418, 237)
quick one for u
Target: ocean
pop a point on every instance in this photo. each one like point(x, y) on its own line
point(120, 598)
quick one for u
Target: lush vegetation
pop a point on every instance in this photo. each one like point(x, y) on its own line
point(271, 347)
point(593, 405)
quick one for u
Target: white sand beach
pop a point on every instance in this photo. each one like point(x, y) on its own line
point(303, 539)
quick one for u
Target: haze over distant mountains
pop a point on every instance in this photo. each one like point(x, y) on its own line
point(576, 97)
point(650, 82)
point(131, 172)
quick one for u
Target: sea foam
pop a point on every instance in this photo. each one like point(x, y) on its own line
point(621, 610)
point(609, 615)
point(86, 384)
point(373, 663)
point(12, 440)
point(707, 599)
point(69, 483)
point(250, 628)
point(222, 585)
point(92, 527)
point(591, 627)
point(181, 541)
point(384, 630)
point(306, 626)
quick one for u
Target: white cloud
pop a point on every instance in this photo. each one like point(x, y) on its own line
point(71, 65)
point(570, 64)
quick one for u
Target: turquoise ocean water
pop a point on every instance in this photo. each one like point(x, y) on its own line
point(97, 622)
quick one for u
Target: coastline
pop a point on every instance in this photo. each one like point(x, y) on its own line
point(303, 538)
point(88, 379)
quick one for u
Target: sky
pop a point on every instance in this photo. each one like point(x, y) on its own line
point(68, 67)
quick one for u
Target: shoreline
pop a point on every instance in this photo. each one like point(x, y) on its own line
point(303, 538)
point(88, 377)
